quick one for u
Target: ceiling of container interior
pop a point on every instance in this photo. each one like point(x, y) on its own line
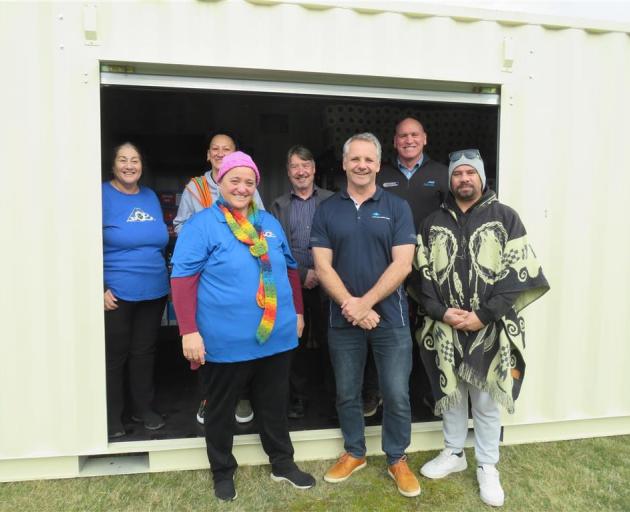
point(171, 127)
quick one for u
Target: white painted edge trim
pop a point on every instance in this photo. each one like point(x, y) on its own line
point(265, 86)
point(189, 454)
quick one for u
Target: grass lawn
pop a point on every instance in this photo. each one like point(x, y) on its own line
point(585, 475)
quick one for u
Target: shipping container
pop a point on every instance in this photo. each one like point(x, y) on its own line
point(545, 98)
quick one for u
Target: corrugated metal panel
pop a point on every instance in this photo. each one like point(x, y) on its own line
point(463, 12)
point(564, 105)
point(52, 342)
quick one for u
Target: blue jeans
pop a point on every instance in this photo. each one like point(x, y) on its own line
point(392, 354)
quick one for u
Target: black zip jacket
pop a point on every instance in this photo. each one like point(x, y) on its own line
point(425, 191)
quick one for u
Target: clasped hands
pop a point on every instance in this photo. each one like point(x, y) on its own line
point(359, 312)
point(462, 320)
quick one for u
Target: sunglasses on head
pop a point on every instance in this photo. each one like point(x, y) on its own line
point(468, 153)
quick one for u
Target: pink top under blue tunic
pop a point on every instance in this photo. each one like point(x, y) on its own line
point(227, 313)
point(134, 238)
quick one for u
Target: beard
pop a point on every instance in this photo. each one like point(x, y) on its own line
point(467, 193)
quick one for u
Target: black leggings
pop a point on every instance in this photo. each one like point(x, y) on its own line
point(130, 337)
point(269, 381)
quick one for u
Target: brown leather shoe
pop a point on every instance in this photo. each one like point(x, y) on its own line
point(406, 481)
point(343, 468)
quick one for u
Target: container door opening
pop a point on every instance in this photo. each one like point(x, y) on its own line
point(171, 126)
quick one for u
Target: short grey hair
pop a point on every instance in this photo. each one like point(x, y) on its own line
point(367, 137)
point(302, 152)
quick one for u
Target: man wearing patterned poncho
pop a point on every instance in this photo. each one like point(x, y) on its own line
point(475, 272)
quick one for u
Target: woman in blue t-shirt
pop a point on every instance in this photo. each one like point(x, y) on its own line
point(136, 286)
point(236, 291)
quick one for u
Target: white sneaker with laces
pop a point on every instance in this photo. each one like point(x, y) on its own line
point(490, 488)
point(444, 464)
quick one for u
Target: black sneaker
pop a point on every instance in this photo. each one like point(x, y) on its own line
point(224, 490)
point(371, 404)
point(151, 420)
point(297, 409)
point(201, 412)
point(296, 477)
point(115, 430)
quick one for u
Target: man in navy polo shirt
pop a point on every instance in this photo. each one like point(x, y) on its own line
point(363, 241)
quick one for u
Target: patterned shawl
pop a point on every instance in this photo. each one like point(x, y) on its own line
point(470, 262)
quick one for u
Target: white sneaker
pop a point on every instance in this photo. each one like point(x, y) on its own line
point(444, 464)
point(244, 412)
point(490, 488)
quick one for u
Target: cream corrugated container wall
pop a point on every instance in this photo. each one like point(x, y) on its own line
point(562, 166)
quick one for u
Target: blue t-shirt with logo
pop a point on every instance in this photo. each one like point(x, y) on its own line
point(227, 313)
point(134, 238)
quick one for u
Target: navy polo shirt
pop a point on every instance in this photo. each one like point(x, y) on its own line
point(362, 240)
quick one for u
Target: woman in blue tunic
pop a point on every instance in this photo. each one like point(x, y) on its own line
point(136, 286)
point(237, 296)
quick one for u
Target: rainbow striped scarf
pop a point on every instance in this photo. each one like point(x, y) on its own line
point(248, 231)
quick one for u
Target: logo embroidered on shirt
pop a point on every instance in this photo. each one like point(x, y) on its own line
point(269, 234)
point(390, 184)
point(430, 183)
point(137, 215)
point(376, 215)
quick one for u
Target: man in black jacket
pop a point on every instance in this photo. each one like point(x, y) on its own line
point(423, 183)
point(295, 211)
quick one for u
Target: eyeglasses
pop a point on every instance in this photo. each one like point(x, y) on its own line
point(468, 153)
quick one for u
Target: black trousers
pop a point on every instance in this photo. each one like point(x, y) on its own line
point(130, 337)
point(202, 385)
point(315, 327)
point(268, 378)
